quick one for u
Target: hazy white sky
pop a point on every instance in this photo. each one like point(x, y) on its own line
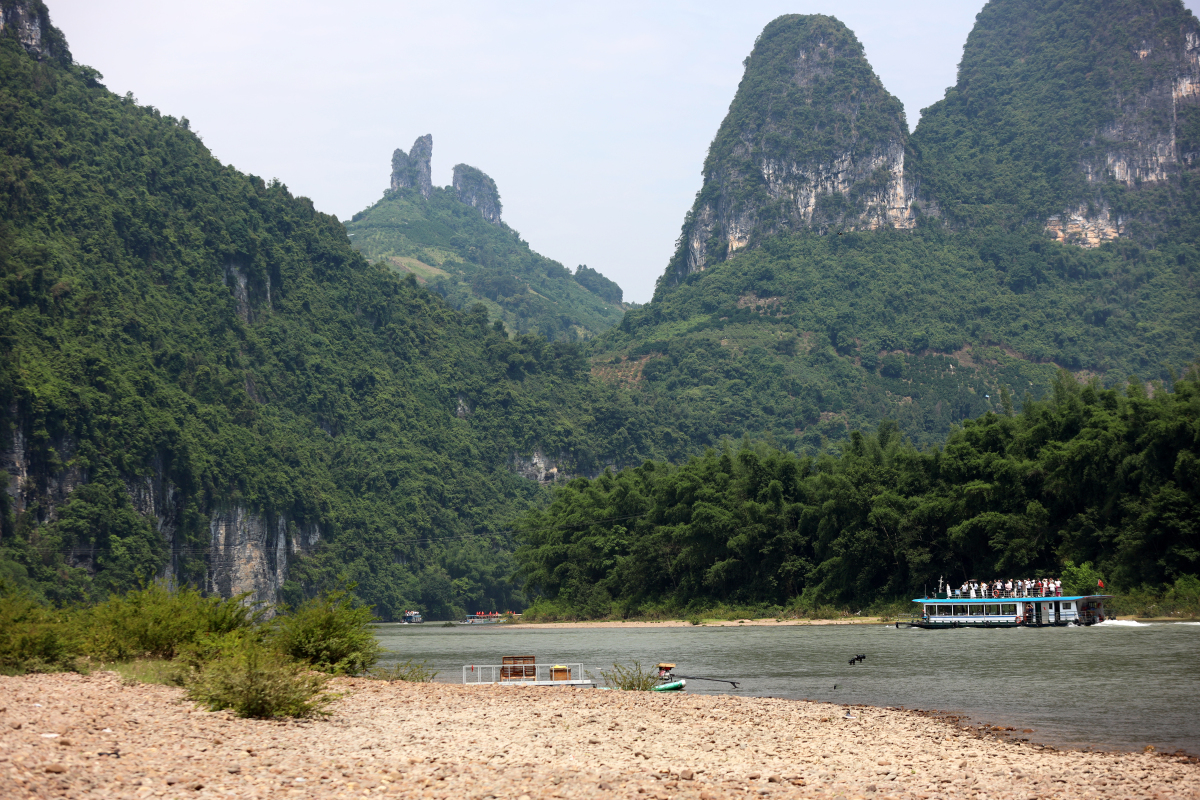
point(593, 118)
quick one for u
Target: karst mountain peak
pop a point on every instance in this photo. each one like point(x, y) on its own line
point(812, 140)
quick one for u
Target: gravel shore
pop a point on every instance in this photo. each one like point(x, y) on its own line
point(71, 735)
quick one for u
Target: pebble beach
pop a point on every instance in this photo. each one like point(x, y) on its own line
point(69, 735)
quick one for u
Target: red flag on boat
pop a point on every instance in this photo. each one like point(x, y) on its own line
point(1100, 583)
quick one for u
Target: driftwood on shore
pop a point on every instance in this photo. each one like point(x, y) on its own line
point(70, 735)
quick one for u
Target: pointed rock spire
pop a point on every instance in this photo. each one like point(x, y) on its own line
point(412, 168)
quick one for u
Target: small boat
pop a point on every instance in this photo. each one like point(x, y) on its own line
point(668, 681)
point(413, 617)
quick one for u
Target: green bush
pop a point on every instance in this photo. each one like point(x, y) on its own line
point(254, 680)
point(155, 622)
point(330, 633)
point(632, 677)
point(33, 638)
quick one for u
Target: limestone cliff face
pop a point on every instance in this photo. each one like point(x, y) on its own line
point(250, 552)
point(28, 22)
point(475, 188)
point(812, 140)
point(413, 168)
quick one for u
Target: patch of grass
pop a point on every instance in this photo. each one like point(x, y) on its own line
point(630, 677)
point(406, 671)
point(259, 682)
point(151, 670)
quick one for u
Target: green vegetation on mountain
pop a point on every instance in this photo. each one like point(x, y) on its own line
point(450, 247)
point(810, 337)
point(1103, 477)
point(168, 321)
point(1048, 92)
point(182, 345)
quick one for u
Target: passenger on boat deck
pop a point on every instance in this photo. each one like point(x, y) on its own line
point(1008, 587)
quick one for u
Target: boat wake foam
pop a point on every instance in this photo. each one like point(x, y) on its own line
point(1123, 623)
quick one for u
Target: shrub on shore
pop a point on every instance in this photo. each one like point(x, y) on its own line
point(407, 671)
point(630, 677)
point(330, 633)
point(255, 680)
point(33, 638)
point(157, 621)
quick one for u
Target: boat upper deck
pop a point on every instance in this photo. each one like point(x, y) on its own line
point(942, 598)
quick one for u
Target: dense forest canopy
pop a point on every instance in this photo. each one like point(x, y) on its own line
point(179, 340)
point(1104, 477)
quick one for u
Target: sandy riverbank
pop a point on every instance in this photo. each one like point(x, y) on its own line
point(91, 736)
point(682, 623)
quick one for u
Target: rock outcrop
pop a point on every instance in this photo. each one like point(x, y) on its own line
point(28, 21)
point(473, 187)
point(250, 552)
point(412, 169)
point(812, 140)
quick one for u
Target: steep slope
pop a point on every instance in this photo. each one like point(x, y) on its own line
point(200, 378)
point(454, 240)
point(810, 332)
point(1063, 114)
point(812, 140)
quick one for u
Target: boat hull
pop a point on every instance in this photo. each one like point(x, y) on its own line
point(965, 624)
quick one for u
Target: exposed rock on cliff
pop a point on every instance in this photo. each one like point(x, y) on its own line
point(536, 467)
point(1059, 111)
point(475, 188)
point(250, 552)
point(811, 140)
point(28, 22)
point(413, 168)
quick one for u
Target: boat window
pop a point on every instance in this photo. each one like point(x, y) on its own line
point(960, 611)
point(1066, 606)
point(976, 611)
point(944, 611)
point(993, 610)
point(1008, 609)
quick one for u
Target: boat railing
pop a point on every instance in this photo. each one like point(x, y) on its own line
point(994, 594)
point(523, 673)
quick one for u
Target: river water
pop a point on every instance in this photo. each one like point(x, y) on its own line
point(1118, 685)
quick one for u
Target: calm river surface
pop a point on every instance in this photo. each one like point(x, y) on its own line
point(1118, 685)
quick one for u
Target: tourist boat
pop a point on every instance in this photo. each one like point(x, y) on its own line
point(413, 617)
point(1006, 610)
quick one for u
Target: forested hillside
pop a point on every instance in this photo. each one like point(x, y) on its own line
point(200, 377)
point(990, 280)
point(452, 248)
point(203, 377)
point(1102, 478)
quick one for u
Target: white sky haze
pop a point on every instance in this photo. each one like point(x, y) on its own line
point(593, 118)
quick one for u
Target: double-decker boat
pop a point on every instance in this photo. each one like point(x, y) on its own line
point(1006, 609)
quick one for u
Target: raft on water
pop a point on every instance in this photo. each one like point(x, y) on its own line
point(673, 686)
